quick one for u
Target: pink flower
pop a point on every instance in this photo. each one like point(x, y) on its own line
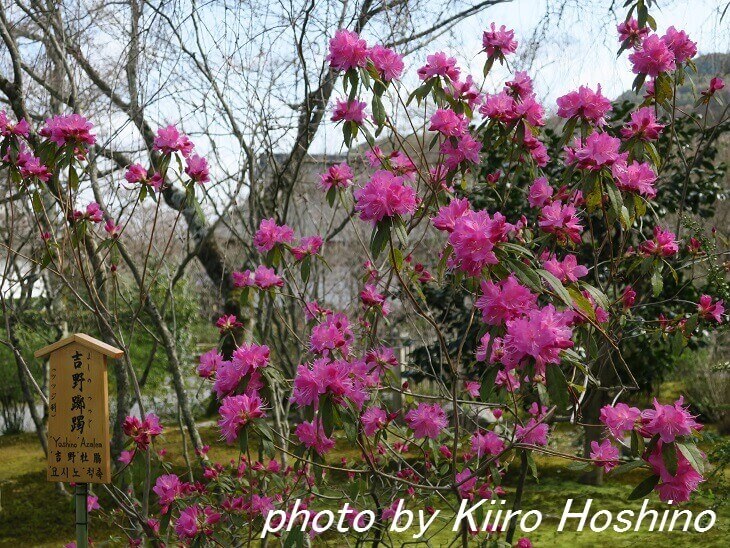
point(334, 333)
point(195, 520)
point(136, 173)
point(500, 106)
point(250, 357)
point(561, 220)
point(169, 140)
point(349, 111)
point(347, 50)
point(509, 380)
point(384, 195)
point(448, 214)
point(628, 298)
point(524, 542)
point(466, 480)
point(504, 301)
point(94, 213)
point(270, 234)
point(472, 388)
point(448, 123)
point(536, 148)
point(196, 168)
point(585, 103)
point(381, 359)
point(143, 432)
point(605, 455)
point(29, 165)
point(709, 310)
point(427, 420)
point(531, 111)
point(69, 129)
point(520, 86)
point(228, 323)
point(483, 348)
point(532, 433)
point(372, 420)
point(466, 150)
point(114, 230)
point(679, 43)
point(636, 177)
point(629, 30)
point(653, 57)
point(125, 457)
point(92, 503)
point(566, 271)
point(309, 245)
point(312, 436)
point(678, 487)
point(266, 278)
point(599, 150)
point(669, 421)
point(237, 412)
point(209, 363)
point(8, 128)
point(466, 91)
point(337, 176)
point(541, 334)
point(486, 444)
point(643, 125)
point(619, 419)
point(664, 244)
point(439, 64)
point(371, 298)
point(499, 41)
point(474, 237)
point(716, 84)
point(167, 488)
point(540, 192)
point(387, 62)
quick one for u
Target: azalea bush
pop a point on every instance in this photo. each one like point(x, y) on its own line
point(549, 325)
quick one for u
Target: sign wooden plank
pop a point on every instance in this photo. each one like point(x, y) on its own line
point(78, 423)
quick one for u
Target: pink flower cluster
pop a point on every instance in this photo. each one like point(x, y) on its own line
point(143, 432)
point(271, 234)
point(348, 51)
point(668, 424)
point(385, 195)
point(71, 129)
point(654, 55)
point(586, 104)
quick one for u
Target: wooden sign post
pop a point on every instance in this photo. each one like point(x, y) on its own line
point(78, 418)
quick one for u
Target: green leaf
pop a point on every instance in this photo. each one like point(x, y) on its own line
point(557, 286)
point(73, 178)
point(294, 538)
point(582, 303)
point(378, 111)
point(487, 383)
point(657, 282)
point(628, 467)
point(557, 386)
point(327, 414)
point(669, 456)
point(693, 455)
point(306, 268)
point(379, 238)
point(243, 440)
point(637, 443)
point(644, 488)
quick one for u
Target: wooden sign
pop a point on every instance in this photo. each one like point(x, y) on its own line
point(78, 402)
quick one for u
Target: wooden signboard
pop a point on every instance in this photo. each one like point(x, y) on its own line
point(78, 422)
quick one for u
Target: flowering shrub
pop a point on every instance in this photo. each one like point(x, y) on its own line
point(543, 315)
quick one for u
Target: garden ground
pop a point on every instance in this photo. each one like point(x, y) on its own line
point(33, 514)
